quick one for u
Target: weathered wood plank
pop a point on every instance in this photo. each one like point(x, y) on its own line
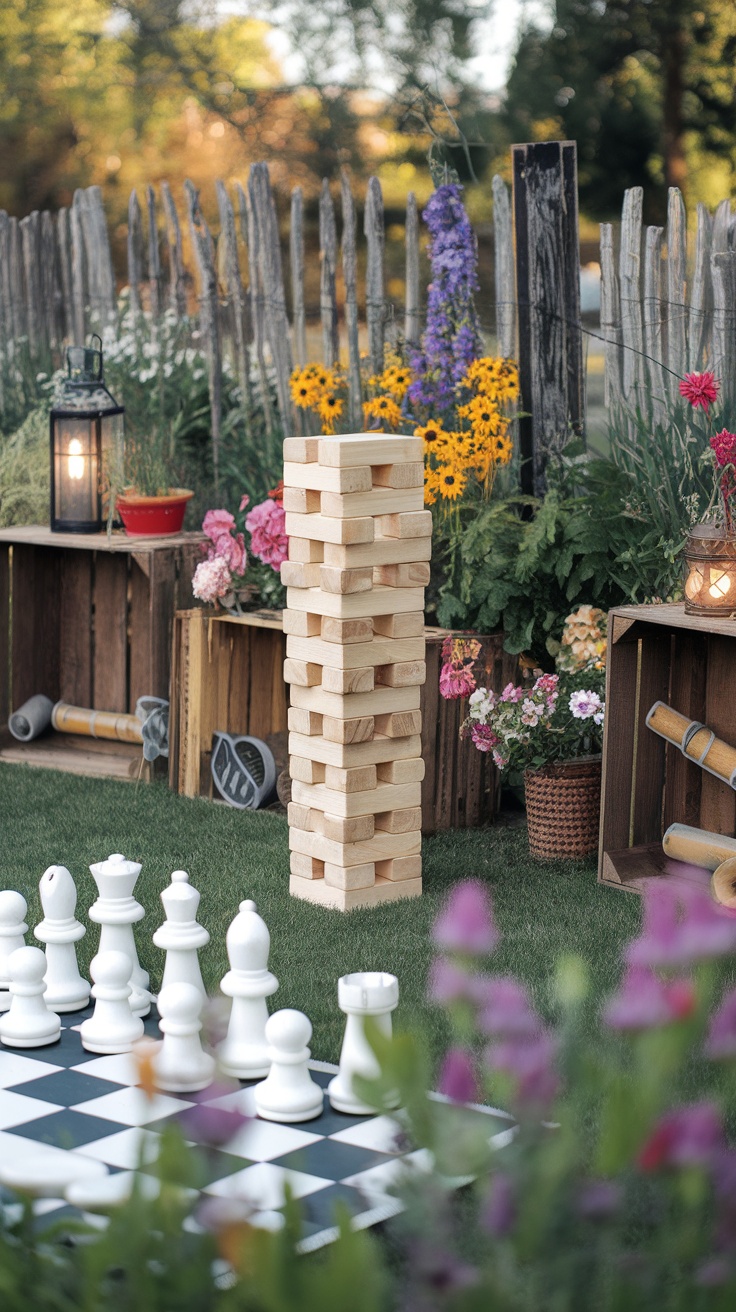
point(701, 293)
point(653, 323)
point(296, 254)
point(610, 318)
point(135, 253)
point(75, 628)
point(209, 315)
point(350, 278)
point(276, 319)
point(249, 231)
point(328, 277)
point(237, 297)
point(503, 245)
point(723, 352)
point(676, 298)
point(30, 230)
point(177, 271)
point(51, 294)
point(64, 255)
point(375, 235)
point(79, 269)
point(105, 302)
point(632, 331)
point(110, 656)
point(412, 321)
point(154, 254)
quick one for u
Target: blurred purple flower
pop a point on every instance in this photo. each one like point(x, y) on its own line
point(465, 923)
point(448, 982)
point(212, 1127)
point(599, 1199)
point(713, 1272)
point(645, 1001)
point(434, 1269)
point(505, 1007)
point(688, 1136)
point(498, 1215)
point(457, 1079)
point(721, 1041)
point(215, 1214)
point(724, 1183)
point(669, 939)
point(530, 1060)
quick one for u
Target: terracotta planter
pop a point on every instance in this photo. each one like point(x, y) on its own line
point(153, 517)
point(563, 803)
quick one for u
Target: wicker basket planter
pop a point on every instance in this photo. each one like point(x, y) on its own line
point(563, 808)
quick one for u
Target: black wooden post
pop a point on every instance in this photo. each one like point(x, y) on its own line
point(548, 296)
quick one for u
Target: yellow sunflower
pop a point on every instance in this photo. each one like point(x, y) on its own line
point(329, 408)
point(304, 392)
point(452, 482)
point(435, 437)
point(395, 380)
point(383, 408)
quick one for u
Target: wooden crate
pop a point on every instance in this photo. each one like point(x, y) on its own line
point(88, 620)
point(659, 652)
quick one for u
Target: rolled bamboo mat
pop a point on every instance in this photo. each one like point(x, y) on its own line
point(723, 883)
point(96, 724)
point(696, 741)
point(698, 847)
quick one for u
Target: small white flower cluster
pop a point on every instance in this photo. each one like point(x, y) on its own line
point(587, 706)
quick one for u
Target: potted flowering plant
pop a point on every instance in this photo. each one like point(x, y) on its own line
point(225, 578)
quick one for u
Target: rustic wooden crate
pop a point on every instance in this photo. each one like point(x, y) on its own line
point(659, 652)
point(87, 619)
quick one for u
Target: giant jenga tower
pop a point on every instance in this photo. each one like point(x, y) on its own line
point(359, 547)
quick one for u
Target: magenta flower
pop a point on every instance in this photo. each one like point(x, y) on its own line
point(699, 389)
point(688, 1136)
point(456, 681)
point(599, 1199)
point(529, 1060)
point(498, 1216)
point(505, 1008)
point(448, 982)
point(644, 1001)
point(217, 522)
point(721, 1041)
point(266, 524)
point(232, 551)
point(668, 940)
point(483, 737)
point(512, 694)
point(465, 923)
point(244, 502)
point(212, 1127)
point(457, 1079)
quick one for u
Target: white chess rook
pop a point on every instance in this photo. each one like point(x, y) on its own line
point(181, 936)
point(112, 1027)
point(28, 1023)
point(116, 911)
point(244, 1051)
point(13, 909)
point(360, 995)
point(60, 931)
point(288, 1093)
point(180, 1065)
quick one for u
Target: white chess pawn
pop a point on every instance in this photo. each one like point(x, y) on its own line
point(180, 1065)
point(244, 1050)
point(112, 1027)
point(116, 911)
point(13, 909)
point(181, 936)
point(288, 1093)
point(28, 1023)
point(60, 931)
point(365, 993)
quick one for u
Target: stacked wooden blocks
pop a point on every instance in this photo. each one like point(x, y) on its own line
point(359, 549)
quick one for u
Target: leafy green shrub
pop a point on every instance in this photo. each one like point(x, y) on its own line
point(24, 472)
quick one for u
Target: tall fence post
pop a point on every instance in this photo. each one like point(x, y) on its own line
point(412, 322)
point(375, 235)
point(350, 276)
point(503, 243)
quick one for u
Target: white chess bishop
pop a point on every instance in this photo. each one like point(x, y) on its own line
point(116, 912)
point(28, 1023)
point(60, 931)
point(244, 1051)
point(13, 910)
point(181, 1065)
point(112, 1027)
point(181, 936)
point(288, 1093)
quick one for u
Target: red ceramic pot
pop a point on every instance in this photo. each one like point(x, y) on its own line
point(153, 517)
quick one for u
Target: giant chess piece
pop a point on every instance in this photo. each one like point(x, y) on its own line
point(181, 936)
point(244, 1050)
point(180, 1065)
point(116, 911)
point(363, 994)
point(60, 931)
point(28, 1023)
point(13, 909)
point(288, 1093)
point(112, 1027)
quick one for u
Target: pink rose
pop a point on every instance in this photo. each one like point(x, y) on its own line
point(266, 524)
point(217, 522)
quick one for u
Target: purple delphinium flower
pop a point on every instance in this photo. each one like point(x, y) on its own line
point(457, 1078)
point(530, 1060)
point(669, 939)
point(645, 1001)
point(721, 1041)
point(465, 923)
point(498, 1214)
point(687, 1136)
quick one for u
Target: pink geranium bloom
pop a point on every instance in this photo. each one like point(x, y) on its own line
point(212, 579)
point(232, 550)
point(456, 681)
point(466, 922)
point(217, 522)
point(457, 1079)
point(483, 737)
point(244, 501)
point(266, 524)
point(699, 389)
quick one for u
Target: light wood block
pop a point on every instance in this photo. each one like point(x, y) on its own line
point(301, 450)
point(404, 475)
point(354, 705)
point(345, 829)
point(379, 501)
point(298, 574)
point(345, 631)
point(303, 674)
point(306, 771)
point(308, 867)
point(357, 730)
point(362, 876)
point(342, 580)
point(319, 478)
point(400, 822)
point(411, 575)
point(352, 899)
point(347, 681)
point(301, 501)
point(397, 867)
point(383, 551)
point(349, 755)
point(380, 847)
point(383, 651)
point(300, 817)
point(306, 723)
point(384, 797)
point(397, 772)
point(355, 605)
point(399, 724)
point(322, 529)
point(415, 525)
point(356, 779)
point(404, 674)
point(307, 551)
point(410, 625)
point(301, 624)
point(369, 449)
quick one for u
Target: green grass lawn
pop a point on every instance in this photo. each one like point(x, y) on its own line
point(542, 909)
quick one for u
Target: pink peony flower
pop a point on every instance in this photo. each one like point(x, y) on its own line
point(217, 522)
point(266, 524)
point(483, 737)
point(465, 924)
point(699, 389)
point(456, 681)
point(457, 1079)
point(232, 551)
point(212, 579)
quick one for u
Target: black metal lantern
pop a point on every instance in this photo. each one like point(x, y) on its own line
point(86, 444)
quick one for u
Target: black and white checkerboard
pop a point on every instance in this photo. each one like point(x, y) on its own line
point(63, 1098)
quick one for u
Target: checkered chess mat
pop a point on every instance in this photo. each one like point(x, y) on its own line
point(61, 1098)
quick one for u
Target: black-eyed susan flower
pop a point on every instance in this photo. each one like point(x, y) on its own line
point(383, 408)
point(451, 482)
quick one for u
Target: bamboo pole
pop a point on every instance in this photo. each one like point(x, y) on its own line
point(696, 741)
point(350, 276)
point(114, 725)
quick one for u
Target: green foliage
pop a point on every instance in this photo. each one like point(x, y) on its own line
point(24, 472)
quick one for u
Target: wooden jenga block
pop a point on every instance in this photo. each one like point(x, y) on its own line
point(301, 624)
point(307, 867)
point(410, 625)
point(319, 478)
point(397, 867)
point(413, 525)
point(381, 651)
point(382, 798)
point(357, 730)
point(306, 771)
point(413, 575)
point(355, 605)
point(303, 722)
point(369, 449)
point(302, 673)
point(299, 817)
point(346, 829)
point(404, 674)
point(348, 756)
point(348, 681)
point(345, 631)
point(380, 847)
point(404, 475)
point(383, 551)
point(356, 779)
point(301, 501)
point(382, 891)
point(307, 551)
point(399, 822)
point(297, 574)
point(323, 529)
point(379, 501)
point(301, 450)
point(353, 705)
point(343, 580)
point(399, 724)
point(362, 876)
point(398, 772)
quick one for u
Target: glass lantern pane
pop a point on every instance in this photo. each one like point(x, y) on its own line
point(76, 470)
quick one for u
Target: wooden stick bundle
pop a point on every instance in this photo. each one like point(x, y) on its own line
point(696, 741)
